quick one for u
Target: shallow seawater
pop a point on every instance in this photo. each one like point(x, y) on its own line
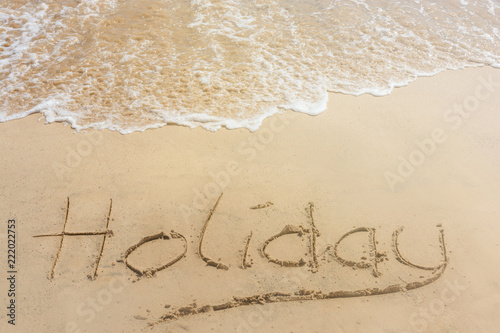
point(130, 65)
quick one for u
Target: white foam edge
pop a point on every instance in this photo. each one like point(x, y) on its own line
point(213, 123)
point(392, 85)
point(49, 107)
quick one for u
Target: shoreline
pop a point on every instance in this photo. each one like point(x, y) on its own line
point(220, 123)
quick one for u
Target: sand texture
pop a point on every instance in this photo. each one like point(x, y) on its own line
point(379, 215)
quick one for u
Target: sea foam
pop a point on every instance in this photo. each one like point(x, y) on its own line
point(139, 64)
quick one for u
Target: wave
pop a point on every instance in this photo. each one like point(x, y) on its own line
point(138, 64)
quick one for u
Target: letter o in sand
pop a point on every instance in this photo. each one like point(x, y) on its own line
point(163, 236)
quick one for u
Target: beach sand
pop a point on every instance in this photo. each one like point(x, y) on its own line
point(425, 158)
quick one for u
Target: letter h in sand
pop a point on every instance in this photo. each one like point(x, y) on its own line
point(65, 233)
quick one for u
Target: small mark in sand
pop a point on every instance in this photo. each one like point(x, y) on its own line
point(206, 259)
point(244, 263)
point(260, 206)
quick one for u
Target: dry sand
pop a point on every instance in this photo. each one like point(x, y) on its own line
point(163, 180)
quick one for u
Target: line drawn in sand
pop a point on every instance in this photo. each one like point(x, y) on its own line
point(149, 272)
point(64, 233)
point(261, 206)
point(374, 255)
point(310, 295)
point(244, 263)
point(209, 261)
point(298, 294)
